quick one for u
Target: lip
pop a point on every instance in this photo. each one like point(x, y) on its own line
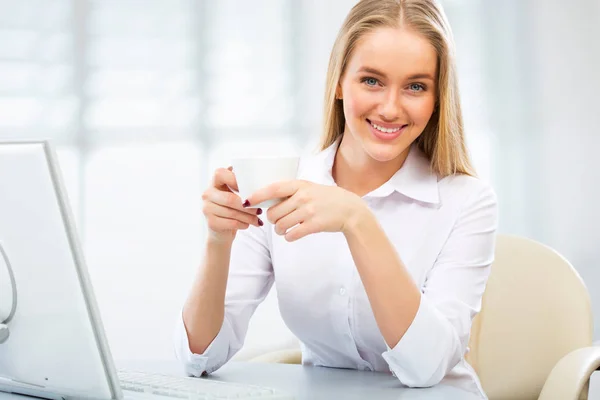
point(386, 136)
point(386, 125)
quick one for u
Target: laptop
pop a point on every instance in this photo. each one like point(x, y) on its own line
point(56, 347)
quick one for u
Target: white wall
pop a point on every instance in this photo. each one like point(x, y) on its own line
point(543, 59)
point(567, 106)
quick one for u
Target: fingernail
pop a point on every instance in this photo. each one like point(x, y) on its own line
point(246, 204)
point(259, 211)
point(260, 223)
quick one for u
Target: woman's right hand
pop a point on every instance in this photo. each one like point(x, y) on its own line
point(223, 209)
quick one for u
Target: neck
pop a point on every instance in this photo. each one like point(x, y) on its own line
point(356, 171)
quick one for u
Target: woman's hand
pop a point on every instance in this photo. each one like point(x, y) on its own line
point(223, 209)
point(316, 208)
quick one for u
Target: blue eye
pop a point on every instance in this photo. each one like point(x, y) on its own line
point(416, 87)
point(370, 81)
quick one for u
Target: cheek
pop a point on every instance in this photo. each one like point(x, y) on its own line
point(357, 103)
point(420, 110)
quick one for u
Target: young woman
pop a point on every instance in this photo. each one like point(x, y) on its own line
point(382, 249)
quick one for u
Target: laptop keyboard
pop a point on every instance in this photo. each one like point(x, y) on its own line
point(140, 385)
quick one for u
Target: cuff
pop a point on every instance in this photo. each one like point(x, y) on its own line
point(422, 354)
point(213, 357)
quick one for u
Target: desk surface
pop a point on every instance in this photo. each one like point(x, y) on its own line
point(314, 383)
point(304, 383)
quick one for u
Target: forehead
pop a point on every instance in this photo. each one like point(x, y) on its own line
point(396, 52)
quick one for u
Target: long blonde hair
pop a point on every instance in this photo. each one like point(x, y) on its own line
point(442, 140)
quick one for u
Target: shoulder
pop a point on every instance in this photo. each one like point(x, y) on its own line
point(464, 186)
point(465, 192)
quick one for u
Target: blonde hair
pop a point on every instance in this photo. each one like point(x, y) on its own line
point(442, 140)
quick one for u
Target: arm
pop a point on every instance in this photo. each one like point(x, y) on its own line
point(393, 295)
point(229, 287)
point(427, 333)
point(204, 309)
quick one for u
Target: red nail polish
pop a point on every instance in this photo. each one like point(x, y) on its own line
point(259, 211)
point(246, 204)
point(260, 222)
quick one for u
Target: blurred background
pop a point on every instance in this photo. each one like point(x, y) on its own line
point(144, 99)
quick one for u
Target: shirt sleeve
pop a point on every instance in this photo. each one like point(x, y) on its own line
point(250, 279)
point(451, 297)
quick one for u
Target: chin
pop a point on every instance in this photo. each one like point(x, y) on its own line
point(384, 152)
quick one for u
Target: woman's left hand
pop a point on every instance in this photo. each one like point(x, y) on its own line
point(316, 208)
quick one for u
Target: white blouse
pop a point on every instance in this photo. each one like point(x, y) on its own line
point(444, 232)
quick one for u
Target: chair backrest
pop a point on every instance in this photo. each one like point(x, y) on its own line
point(535, 310)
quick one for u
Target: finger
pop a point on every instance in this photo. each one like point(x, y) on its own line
point(226, 199)
point(218, 224)
point(274, 191)
point(224, 178)
point(290, 220)
point(230, 213)
point(302, 230)
point(282, 209)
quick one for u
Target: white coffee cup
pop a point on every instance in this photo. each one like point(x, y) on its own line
point(254, 173)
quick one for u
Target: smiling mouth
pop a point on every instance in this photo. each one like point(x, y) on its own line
point(384, 130)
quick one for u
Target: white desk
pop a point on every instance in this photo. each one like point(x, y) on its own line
point(313, 383)
point(316, 383)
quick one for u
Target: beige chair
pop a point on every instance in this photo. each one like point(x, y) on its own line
point(533, 337)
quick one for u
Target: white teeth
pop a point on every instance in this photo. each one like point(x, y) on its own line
point(384, 130)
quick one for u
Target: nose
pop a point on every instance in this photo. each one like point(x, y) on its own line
point(391, 109)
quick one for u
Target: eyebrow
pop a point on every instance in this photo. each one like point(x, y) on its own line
point(374, 71)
